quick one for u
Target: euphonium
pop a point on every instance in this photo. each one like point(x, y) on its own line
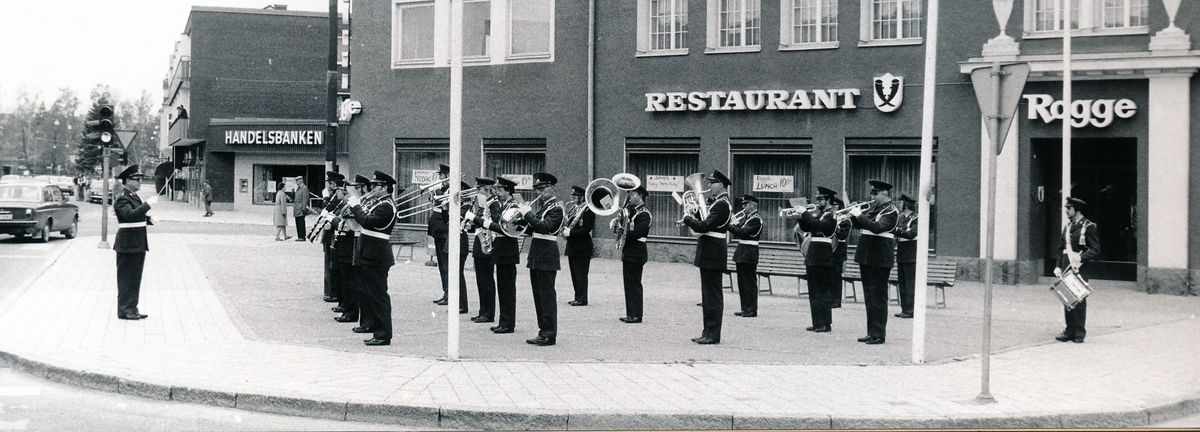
point(693, 199)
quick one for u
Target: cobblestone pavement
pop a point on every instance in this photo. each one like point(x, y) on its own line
point(197, 347)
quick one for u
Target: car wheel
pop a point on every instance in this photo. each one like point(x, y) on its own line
point(44, 234)
point(73, 230)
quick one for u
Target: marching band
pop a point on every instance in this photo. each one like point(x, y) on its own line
point(358, 218)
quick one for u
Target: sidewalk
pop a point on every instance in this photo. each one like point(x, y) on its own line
point(62, 325)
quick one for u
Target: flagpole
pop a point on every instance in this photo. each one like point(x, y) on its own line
point(925, 185)
point(1066, 118)
point(453, 210)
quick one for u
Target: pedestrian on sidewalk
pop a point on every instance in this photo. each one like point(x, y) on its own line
point(281, 211)
point(130, 242)
point(1080, 247)
point(206, 195)
point(301, 207)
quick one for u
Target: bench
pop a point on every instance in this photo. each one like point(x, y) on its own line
point(940, 275)
point(787, 262)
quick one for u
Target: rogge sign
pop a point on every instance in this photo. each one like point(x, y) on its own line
point(1098, 113)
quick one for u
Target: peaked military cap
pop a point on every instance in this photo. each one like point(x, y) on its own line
point(130, 173)
point(879, 186)
point(506, 183)
point(360, 179)
point(1075, 202)
point(443, 169)
point(576, 190)
point(905, 197)
point(544, 179)
point(750, 198)
point(382, 177)
point(718, 177)
point(824, 192)
point(484, 181)
point(838, 201)
point(333, 176)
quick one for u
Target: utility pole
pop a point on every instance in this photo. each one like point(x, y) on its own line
point(331, 79)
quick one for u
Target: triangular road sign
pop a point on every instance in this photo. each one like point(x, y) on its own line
point(125, 137)
point(1012, 83)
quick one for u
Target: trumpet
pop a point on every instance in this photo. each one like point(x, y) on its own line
point(861, 205)
point(795, 212)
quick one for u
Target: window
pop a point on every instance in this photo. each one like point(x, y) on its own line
point(525, 33)
point(416, 164)
point(734, 26)
point(671, 159)
point(890, 22)
point(808, 24)
point(773, 170)
point(1043, 18)
point(662, 27)
point(516, 159)
point(895, 161)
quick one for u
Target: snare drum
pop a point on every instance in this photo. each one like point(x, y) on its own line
point(1071, 289)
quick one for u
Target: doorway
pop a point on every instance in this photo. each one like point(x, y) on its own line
point(1103, 174)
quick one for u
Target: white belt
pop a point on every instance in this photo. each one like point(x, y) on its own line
point(541, 236)
point(376, 234)
point(884, 235)
point(641, 239)
point(715, 234)
point(748, 242)
point(905, 240)
point(820, 240)
point(131, 225)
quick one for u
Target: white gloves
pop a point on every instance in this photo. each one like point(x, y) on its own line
point(1058, 272)
point(735, 220)
point(469, 216)
point(855, 211)
point(353, 200)
point(524, 208)
point(566, 232)
point(152, 200)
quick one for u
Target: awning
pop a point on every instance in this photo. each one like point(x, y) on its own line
point(186, 142)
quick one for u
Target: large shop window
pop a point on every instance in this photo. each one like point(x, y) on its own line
point(734, 25)
point(267, 178)
point(516, 159)
point(808, 24)
point(896, 161)
point(1043, 18)
point(519, 30)
point(416, 165)
point(662, 27)
point(773, 170)
point(662, 164)
point(890, 22)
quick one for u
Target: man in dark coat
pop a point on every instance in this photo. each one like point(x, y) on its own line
point(486, 205)
point(545, 219)
point(1080, 247)
point(578, 232)
point(633, 252)
point(746, 227)
point(906, 255)
point(820, 261)
point(130, 242)
point(875, 256)
point(506, 253)
point(300, 207)
point(711, 256)
point(376, 214)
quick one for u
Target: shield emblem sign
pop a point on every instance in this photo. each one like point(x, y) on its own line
point(889, 92)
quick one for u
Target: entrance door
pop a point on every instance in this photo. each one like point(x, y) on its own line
point(1103, 174)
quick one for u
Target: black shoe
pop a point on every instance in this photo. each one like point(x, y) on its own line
point(345, 319)
point(707, 341)
point(363, 330)
point(441, 301)
point(874, 341)
point(1078, 339)
point(865, 338)
point(377, 342)
point(338, 309)
point(1064, 337)
point(738, 313)
point(810, 328)
point(631, 320)
point(835, 306)
point(577, 303)
point(462, 311)
point(483, 319)
point(540, 341)
point(501, 330)
point(699, 304)
point(749, 314)
point(903, 315)
point(142, 316)
point(822, 329)
point(329, 299)
point(133, 317)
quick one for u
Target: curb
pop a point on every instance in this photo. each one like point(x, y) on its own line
point(481, 419)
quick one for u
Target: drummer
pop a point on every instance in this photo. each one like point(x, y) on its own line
point(1080, 245)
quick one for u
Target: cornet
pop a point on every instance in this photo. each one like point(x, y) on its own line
point(795, 212)
point(693, 199)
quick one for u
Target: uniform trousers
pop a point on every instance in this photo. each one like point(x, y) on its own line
point(485, 280)
point(443, 262)
point(331, 288)
point(129, 281)
point(376, 302)
point(712, 301)
point(838, 292)
point(506, 290)
point(875, 295)
point(348, 281)
point(823, 282)
point(1076, 319)
point(747, 275)
point(633, 288)
point(580, 265)
point(906, 273)
point(300, 227)
point(545, 302)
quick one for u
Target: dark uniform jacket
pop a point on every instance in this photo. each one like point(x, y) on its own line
point(710, 249)
point(822, 246)
point(636, 233)
point(842, 233)
point(377, 219)
point(130, 209)
point(478, 228)
point(747, 234)
point(906, 234)
point(876, 246)
point(544, 223)
point(579, 244)
point(1083, 237)
point(330, 204)
point(505, 249)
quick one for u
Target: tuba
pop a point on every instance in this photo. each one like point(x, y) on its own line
point(693, 199)
point(608, 196)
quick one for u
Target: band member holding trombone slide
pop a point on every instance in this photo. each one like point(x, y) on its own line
point(875, 255)
point(710, 221)
point(1080, 248)
point(746, 227)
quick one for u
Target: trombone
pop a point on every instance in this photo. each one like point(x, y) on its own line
point(412, 195)
point(435, 201)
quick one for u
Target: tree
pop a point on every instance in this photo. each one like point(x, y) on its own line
point(91, 154)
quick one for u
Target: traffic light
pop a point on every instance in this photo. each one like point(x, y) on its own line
point(124, 158)
point(102, 126)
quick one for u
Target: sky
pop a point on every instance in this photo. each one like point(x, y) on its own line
point(126, 44)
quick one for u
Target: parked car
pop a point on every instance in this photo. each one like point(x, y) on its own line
point(97, 191)
point(37, 208)
point(9, 178)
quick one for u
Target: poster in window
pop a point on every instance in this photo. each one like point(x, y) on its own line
point(664, 183)
point(424, 177)
point(774, 183)
point(524, 181)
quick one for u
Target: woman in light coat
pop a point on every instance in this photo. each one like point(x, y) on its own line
point(281, 213)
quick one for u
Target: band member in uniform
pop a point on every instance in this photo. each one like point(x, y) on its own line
point(711, 256)
point(374, 258)
point(578, 231)
point(819, 262)
point(875, 256)
point(130, 242)
point(1080, 249)
point(343, 243)
point(746, 227)
point(485, 267)
point(506, 253)
point(439, 229)
point(545, 219)
point(637, 220)
point(842, 233)
point(332, 197)
point(906, 255)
